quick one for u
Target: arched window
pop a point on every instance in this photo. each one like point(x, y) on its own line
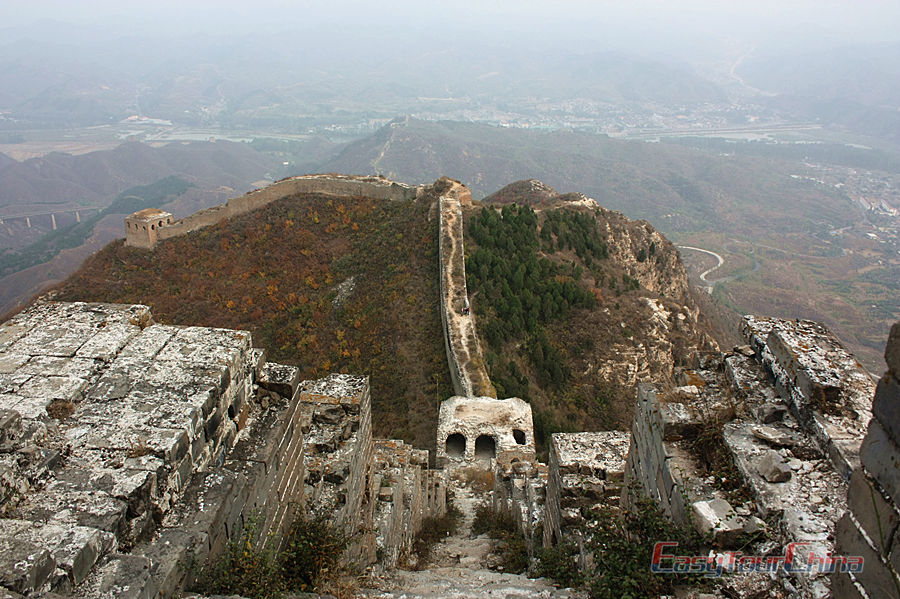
point(519, 436)
point(485, 447)
point(456, 445)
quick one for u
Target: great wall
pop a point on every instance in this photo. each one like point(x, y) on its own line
point(131, 449)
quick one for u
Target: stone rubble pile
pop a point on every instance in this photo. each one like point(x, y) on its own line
point(790, 408)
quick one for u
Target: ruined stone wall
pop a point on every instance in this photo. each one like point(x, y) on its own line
point(519, 492)
point(330, 184)
point(652, 465)
point(116, 429)
point(870, 528)
point(786, 411)
point(131, 450)
point(407, 492)
point(587, 470)
point(339, 456)
point(467, 369)
point(825, 387)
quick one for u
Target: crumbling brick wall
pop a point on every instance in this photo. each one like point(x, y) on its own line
point(870, 528)
point(330, 184)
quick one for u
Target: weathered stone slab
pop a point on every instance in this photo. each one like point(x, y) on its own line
point(10, 362)
point(106, 343)
point(10, 383)
point(48, 388)
point(30, 408)
point(875, 576)
point(775, 436)
point(877, 517)
point(773, 468)
point(10, 428)
point(678, 422)
point(717, 519)
point(279, 378)
point(37, 549)
point(145, 346)
point(25, 562)
point(770, 413)
point(82, 368)
point(171, 555)
point(123, 577)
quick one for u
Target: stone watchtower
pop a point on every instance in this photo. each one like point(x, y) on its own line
point(141, 228)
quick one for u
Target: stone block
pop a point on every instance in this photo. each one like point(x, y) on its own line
point(10, 429)
point(10, 362)
point(171, 555)
point(717, 518)
point(775, 436)
point(844, 586)
point(877, 517)
point(773, 468)
point(770, 413)
point(881, 457)
point(280, 378)
point(892, 350)
point(677, 421)
point(886, 406)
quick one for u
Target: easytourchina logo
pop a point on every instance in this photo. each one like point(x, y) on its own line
point(797, 558)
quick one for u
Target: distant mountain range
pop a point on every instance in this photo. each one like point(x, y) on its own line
point(6, 161)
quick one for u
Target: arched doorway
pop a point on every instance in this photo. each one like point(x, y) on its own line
point(485, 447)
point(455, 446)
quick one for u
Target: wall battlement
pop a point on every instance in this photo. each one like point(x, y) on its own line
point(330, 184)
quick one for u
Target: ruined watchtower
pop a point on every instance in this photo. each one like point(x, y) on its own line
point(141, 228)
point(484, 428)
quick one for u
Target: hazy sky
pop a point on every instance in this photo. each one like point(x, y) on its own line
point(624, 22)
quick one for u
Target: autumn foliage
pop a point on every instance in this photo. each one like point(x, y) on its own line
point(277, 272)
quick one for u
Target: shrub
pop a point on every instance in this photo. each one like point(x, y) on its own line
point(313, 550)
point(433, 530)
point(560, 564)
point(248, 568)
point(622, 545)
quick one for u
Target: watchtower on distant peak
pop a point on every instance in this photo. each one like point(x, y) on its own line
point(141, 228)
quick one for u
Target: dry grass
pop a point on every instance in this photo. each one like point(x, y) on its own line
point(60, 409)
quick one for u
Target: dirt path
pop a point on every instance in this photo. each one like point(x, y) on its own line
point(457, 569)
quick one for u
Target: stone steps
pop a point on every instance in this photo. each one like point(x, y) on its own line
point(466, 583)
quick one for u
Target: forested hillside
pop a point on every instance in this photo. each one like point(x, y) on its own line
point(329, 284)
point(575, 306)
